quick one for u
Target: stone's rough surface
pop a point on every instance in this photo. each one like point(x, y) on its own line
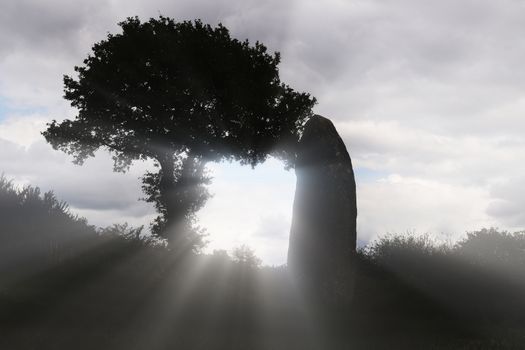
point(323, 233)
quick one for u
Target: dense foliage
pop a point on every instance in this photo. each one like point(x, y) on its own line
point(181, 94)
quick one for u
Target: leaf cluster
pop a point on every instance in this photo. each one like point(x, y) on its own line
point(164, 86)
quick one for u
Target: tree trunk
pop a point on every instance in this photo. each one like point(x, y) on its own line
point(168, 197)
point(182, 193)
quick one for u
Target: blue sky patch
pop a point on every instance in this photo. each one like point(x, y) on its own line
point(7, 109)
point(368, 175)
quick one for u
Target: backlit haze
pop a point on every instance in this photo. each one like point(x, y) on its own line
point(429, 97)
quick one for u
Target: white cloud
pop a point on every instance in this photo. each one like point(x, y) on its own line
point(93, 189)
point(23, 130)
point(398, 204)
point(252, 207)
point(508, 201)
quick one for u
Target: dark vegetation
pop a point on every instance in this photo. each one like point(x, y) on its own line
point(181, 94)
point(67, 285)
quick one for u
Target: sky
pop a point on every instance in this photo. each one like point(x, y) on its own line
point(428, 96)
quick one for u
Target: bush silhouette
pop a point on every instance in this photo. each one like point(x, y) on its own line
point(479, 278)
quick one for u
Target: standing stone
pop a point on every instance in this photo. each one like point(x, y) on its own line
point(323, 233)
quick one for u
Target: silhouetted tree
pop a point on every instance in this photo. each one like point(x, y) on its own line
point(181, 94)
point(246, 256)
point(491, 247)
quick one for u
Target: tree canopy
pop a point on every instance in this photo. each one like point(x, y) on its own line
point(183, 94)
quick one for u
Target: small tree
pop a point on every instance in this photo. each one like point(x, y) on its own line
point(182, 94)
point(246, 256)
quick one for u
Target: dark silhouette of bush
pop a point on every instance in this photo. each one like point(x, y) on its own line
point(36, 229)
point(490, 248)
point(481, 278)
point(38, 233)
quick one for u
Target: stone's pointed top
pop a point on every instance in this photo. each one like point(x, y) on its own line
point(320, 143)
point(319, 118)
point(319, 125)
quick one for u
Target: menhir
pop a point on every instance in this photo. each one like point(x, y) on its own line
point(323, 234)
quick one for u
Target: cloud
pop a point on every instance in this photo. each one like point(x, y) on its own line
point(23, 130)
point(250, 206)
point(92, 189)
point(41, 41)
point(508, 201)
point(398, 204)
point(389, 146)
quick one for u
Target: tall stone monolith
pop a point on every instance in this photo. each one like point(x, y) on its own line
point(323, 234)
